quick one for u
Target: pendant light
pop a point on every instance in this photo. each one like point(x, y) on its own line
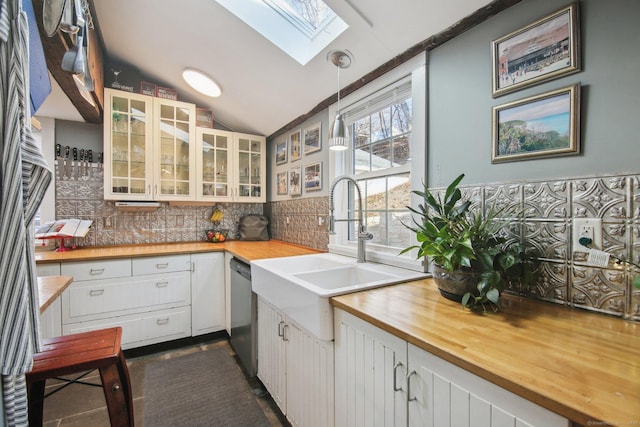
point(338, 133)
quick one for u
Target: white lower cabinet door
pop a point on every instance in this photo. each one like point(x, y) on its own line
point(296, 368)
point(442, 394)
point(370, 374)
point(272, 353)
point(309, 378)
point(207, 293)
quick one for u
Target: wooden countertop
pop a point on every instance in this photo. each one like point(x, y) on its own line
point(581, 365)
point(248, 251)
point(50, 288)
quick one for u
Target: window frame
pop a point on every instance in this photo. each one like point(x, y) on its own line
point(340, 163)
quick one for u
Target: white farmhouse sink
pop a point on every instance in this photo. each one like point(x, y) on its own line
point(301, 286)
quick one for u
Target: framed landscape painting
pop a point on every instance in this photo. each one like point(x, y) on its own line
point(313, 177)
point(543, 50)
point(312, 137)
point(539, 126)
point(281, 152)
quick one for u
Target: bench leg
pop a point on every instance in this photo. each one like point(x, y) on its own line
point(115, 396)
point(35, 397)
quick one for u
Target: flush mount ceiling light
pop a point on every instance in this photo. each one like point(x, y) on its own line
point(201, 82)
point(338, 133)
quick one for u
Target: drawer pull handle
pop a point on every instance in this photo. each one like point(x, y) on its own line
point(395, 375)
point(162, 284)
point(96, 292)
point(281, 329)
point(162, 321)
point(409, 398)
point(96, 271)
point(162, 265)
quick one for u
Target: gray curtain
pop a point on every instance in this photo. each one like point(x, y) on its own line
point(24, 178)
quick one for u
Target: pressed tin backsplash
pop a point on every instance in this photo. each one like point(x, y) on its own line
point(83, 198)
point(550, 207)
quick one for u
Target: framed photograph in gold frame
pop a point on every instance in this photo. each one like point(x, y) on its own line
point(543, 50)
point(539, 126)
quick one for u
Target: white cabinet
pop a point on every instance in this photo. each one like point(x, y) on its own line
point(128, 146)
point(51, 318)
point(230, 166)
point(370, 374)
point(149, 297)
point(149, 148)
point(175, 152)
point(296, 368)
point(383, 380)
point(208, 302)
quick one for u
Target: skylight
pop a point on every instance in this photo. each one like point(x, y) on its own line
point(301, 28)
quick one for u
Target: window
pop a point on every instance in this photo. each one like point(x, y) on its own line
point(301, 28)
point(387, 157)
point(380, 130)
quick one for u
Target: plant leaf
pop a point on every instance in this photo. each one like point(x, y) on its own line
point(493, 295)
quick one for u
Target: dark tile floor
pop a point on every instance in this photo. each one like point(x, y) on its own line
point(83, 406)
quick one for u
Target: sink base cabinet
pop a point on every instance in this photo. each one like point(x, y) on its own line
point(296, 368)
point(383, 380)
point(154, 299)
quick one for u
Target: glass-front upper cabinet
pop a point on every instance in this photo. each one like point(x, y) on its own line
point(213, 160)
point(251, 167)
point(175, 150)
point(128, 142)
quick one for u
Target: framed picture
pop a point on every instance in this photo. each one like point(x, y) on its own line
point(543, 50)
point(295, 181)
point(281, 152)
point(312, 137)
point(282, 179)
point(294, 145)
point(540, 126)
point(313, 177)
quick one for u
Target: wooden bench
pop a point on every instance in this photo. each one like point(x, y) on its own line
point(73, 354)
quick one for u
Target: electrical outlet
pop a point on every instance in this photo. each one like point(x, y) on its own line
point(590, 228)
point(320, 220)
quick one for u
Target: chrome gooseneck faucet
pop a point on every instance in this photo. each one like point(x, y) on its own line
point(363, 234)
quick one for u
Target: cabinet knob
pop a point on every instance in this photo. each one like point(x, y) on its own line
point(96, 292)
point(162, 284)
point(96, 271)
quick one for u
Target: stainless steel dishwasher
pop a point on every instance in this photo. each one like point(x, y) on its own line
point(243, 316)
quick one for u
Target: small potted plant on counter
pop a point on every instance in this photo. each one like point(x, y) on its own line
point(472, 262)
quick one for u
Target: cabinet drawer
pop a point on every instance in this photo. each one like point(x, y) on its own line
point(143, 328)
point(48, 269)
point(162, 264)
point(93, 270)
point(102, 298)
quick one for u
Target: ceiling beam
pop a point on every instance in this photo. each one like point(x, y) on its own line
point(431, 43)
point(55, 48)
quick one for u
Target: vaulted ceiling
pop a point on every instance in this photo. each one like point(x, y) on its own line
point(263, 88)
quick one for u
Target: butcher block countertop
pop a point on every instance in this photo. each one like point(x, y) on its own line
point(581, 365)
point(50, 288)
point(248, 251)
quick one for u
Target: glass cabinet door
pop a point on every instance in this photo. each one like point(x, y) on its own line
point(251, 166)
point(175, 157)
point(213, 160)
point(127, 132)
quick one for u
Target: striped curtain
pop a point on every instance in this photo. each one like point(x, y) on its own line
point(24, 177)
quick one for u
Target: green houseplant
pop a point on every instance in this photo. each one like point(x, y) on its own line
point(467, 250)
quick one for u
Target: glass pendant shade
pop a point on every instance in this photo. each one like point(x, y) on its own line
point(338, 135)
